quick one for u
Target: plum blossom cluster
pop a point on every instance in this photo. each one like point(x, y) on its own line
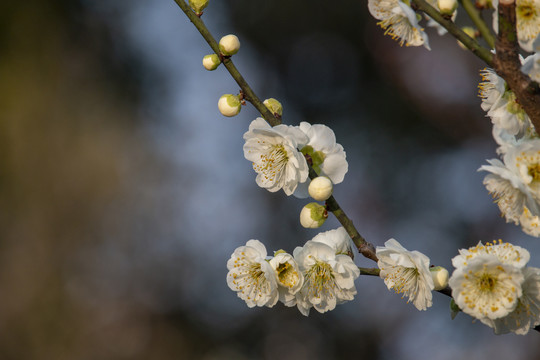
point(492, 283)
point(318, 275)
point(514, 182)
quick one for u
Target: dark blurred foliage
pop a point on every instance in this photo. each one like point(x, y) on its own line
point(92, 262)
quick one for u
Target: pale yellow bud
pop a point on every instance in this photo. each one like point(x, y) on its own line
point(447, 7)
point(320, 188)
point(211, 62)
point(439, 276)
point(198, 5)
point(313, 215)
point(229, 45)
point(469, 31)
point(274, 106)
point(229, 105)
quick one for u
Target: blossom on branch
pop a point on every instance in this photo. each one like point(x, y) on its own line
point(527, 21)
point(492, 283)
point(328, 278)
point(399, 21)
point(275, 156)
point(406, 272)
point(526, 315)
point(328, 158)
point(252, 276)
point(289, 277)
point(515, 184)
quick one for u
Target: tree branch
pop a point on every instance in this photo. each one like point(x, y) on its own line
point(468, 41)
point(249, 95)
point(479, 22)
point(508, 65)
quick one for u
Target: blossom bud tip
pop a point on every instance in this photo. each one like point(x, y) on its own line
point(313, 215)
point(229, 105)
point(229, 45)
point(440, 277)
point(211, 62)
point(274, 106)
point(320, 188)
point(198, 6)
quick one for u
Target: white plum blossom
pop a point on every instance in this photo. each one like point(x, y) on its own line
point(275, 156)
point(515, 184)
point(399, 21)
point(505, 252)
point(327, 156)
point(328, 278)
point(406, 272)
point(526, 315)
point(501, 106)
point(252, 276)
point(338, 239)
point(530, 224)
point(486, 287)
point(531, 65)
point(289, 277)
point(527, 21)
point(432, 23)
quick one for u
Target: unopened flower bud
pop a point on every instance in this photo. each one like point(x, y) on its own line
point(229, 45)
point(320, 188)
point(469, 31)
point(447, 7)
point(229, 105)
point(198, 5)
point(313, 215)
point(439, 276)
point(211, 62)
point(274, 106)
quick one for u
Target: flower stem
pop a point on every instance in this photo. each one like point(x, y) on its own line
point(469, 42)
point(479, 22)
point(249, 95)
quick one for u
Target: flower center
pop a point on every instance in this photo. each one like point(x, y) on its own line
point(272, 162)
point(402, 278)
point(525, 11)
point(286, 275)
point(534, 171)
point(486, 283)
point(320, 280)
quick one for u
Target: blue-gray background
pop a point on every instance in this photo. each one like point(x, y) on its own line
point(123, 191)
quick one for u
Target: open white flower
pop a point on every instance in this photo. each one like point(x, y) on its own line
point(487, 287)
point(515, 184)
point(406, 272)
point(289, 276)
point(399, 21)
point(527, 21)
point(531, 65)
point(327, 156)
point(328, 278)
point(506, 253)
point(275, 156)
point(337, 239)
point(501, 105)
point(526, 315)
point(252, 276)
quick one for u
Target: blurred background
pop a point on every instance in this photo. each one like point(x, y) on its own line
point(123, 191)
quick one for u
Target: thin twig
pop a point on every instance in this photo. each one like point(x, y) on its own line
point(249, 95)
point(465, 39)
point(479, 22)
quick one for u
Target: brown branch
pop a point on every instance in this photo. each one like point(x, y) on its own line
point(507, 64)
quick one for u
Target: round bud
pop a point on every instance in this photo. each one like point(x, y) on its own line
point(320, 188)
point(447, 7)
point(469, 31)
point(211, 62)
point(229, 45)
point(229, 105)
point(313, 215)
point(198, 6)
point(274, 106)
point(439, 276)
